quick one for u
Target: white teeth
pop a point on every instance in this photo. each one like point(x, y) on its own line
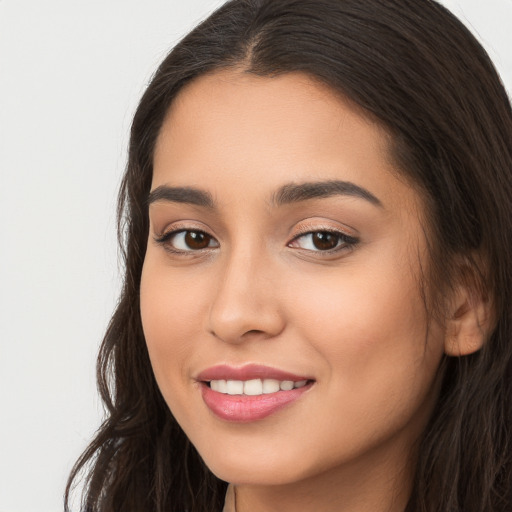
point(254, 387)
point(234, 387)
point(270, 386)
point(286, 385)
point(219, 385)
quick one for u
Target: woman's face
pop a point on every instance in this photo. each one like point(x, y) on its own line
point(284, 252)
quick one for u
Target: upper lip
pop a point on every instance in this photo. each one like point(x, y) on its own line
point(247, 372)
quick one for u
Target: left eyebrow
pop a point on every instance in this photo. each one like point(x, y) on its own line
point(293, 192)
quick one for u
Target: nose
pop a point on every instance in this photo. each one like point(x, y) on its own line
point(245, 304)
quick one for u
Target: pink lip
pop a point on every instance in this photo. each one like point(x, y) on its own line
point(247, 372)
point(244, 408)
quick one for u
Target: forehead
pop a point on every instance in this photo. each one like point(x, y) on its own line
point(234, 129)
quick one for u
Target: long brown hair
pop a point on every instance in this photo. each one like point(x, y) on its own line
point(415, 68)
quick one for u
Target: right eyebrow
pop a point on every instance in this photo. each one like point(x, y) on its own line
point(188, 195)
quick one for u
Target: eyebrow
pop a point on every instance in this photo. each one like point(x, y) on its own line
point(287, 194)
point(187, 195)
point(293, 192)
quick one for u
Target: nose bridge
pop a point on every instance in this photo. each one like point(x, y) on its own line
point(245, 299)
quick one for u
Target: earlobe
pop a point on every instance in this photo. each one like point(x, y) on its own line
point(469, 322)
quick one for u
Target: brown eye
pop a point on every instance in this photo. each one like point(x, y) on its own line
point(324, 241)
point(187, 240)
point(197, 240)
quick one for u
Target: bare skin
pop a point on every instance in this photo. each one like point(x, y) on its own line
point(325, 286)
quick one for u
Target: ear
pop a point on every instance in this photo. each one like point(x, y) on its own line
point(470, 316)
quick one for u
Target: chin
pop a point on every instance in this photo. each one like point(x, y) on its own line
point(253, 474)
point(256, 466)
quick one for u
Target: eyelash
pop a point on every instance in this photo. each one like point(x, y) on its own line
point(344, 241)
point(166, 241)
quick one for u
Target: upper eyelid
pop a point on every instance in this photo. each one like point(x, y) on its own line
point(176, 227)
point(175, 231)
point(324, 229)
point(307, 230)
point(347, 240)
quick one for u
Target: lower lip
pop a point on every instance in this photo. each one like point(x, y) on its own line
point(245, 408)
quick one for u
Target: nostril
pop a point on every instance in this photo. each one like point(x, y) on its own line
point(252, 332)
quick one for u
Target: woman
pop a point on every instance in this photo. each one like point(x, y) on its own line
point(318, 228)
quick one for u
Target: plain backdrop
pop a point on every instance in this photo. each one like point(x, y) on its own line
point(71, 73)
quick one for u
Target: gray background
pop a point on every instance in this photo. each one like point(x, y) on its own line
point(71, 72)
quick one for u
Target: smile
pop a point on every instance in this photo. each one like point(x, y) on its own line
point(250, 393)
point(254, 387)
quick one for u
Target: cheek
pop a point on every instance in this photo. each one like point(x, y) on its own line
point(370, 329)
point(374, 306)
point(170, 321)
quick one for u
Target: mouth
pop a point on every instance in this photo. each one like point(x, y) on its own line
point(255, 387)
point(250, 393)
